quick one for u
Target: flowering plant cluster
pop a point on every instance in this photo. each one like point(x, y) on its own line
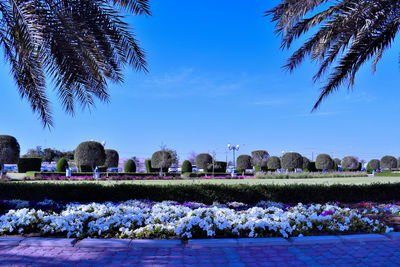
point(169, 219)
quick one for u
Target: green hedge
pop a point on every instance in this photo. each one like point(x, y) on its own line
point(205, 193)
point(29, 164)
point(395, 174)
point(110, 174)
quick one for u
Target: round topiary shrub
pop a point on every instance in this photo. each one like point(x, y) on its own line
point(202, 161)
point(186, 166)
point(130, 166)
point(62, 165)
point(306, 164)
point(350, 163)
point(112, 158)
point(373, 165)
point(274, 163)
point(243, 162)
point(161, 160)
point(324, 162)
point(90, 153)
point(388, 162)
point(9, 151)
point(259, 159)
point(291, 161)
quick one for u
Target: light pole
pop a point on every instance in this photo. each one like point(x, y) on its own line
point(233, 148)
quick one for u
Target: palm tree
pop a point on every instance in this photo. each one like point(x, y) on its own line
point(79, 45)
point(350, 33)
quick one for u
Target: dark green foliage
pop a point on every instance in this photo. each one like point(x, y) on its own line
point(62, 165)
point(388, 162)
point(189, 175)
point(312, 167)
point(340, 36)
point(9, 151)
point(350, 163)
point(262, 169)
point(85, 168)
point(29, 164)
point(306, 164)
point(149, 169)
point(259, 159)
point(219, 167)
point(81, 46)
point(373, 165)
point(324, 162)
point(336, 163)
point(291, 161)
point(112, 158)
point(90, 153)
point(243, 163)
point(186, 166)
point(203, 160)
point(130, 166)
point(161, 160)
point(204, 193)
point(274, 163)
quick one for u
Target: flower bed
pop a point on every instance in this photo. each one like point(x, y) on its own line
point(169, 219)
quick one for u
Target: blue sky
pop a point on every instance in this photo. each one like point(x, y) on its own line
point(215, 78)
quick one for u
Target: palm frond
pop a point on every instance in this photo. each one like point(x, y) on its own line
point(350, 32)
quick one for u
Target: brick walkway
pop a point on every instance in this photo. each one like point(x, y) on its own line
point(357, 250)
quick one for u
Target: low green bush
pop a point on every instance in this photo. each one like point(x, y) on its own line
point(205, 193)
point(62, 165)
point(29, 164)
point(189, 174)
point(130, 166)
point(150, 169)
point(186, 167)
point(387, 174)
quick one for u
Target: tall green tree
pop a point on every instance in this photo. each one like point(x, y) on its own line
point(348, 34)
point(80, 45)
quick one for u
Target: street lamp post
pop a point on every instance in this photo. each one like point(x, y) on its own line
point(233, 148)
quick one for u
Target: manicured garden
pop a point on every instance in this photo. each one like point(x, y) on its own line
point(170, 219)
point(264, 199)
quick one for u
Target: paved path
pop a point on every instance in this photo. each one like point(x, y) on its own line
point(356, 250)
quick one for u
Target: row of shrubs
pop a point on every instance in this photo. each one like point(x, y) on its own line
point(91, 154)
point(205, 193)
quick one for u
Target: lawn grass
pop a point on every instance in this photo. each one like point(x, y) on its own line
point(246, 181)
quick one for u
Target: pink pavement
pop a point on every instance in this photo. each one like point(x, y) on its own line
point(360, 250)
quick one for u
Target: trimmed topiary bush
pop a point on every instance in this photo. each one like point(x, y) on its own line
point(291, 161)
point(373, 165)
point(243, 163)
point(219, 167)
point(274, 163)
point(161, 160)
point(29, 164)
point(62, 165)
point(186, 167)
point(149, 169)
point(306, 164)
point(259, 159)
point(112, 158)
point(350, 163)
point(90, 153)
point(312, 167)
point(9, 151)
point(324, 162)
point(203, 160)
point(336, 163)
point(388, 162)
point(130, 166)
